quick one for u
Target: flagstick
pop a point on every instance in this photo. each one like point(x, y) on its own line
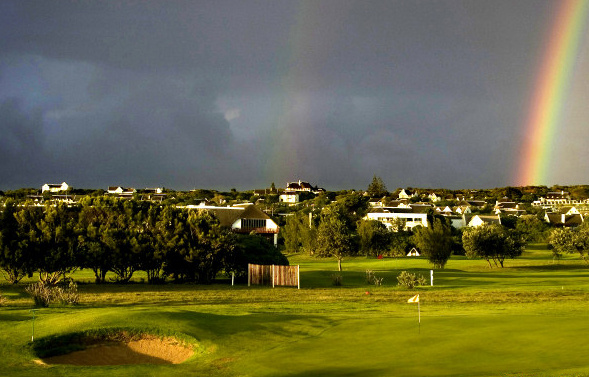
point(419, 318)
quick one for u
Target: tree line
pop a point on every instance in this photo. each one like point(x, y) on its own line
point(339, 230)
point(120, 237)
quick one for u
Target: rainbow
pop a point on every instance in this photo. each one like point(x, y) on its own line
point(550, 92)
point(301, 61)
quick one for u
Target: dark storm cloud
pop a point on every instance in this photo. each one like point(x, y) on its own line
point(190, 93)
point(21, 147)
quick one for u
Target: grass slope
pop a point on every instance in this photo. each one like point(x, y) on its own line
point(528, 319)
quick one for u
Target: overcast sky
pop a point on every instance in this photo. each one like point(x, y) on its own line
point(222, 94)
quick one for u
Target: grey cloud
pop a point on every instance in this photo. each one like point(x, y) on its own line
point(239, 94)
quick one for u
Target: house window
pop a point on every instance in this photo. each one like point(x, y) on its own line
point(253, 223)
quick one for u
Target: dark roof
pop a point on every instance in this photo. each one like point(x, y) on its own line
point(557, 195)
point(489, 219)
point(569, 220)
point(477, 203)
point(228, 215)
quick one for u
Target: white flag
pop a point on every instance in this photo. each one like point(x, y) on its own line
point(413, 299)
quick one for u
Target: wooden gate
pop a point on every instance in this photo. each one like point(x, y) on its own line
point(273, 275)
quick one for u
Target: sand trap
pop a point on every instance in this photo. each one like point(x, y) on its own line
point(149, 350)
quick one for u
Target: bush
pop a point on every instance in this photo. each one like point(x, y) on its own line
point(409, 280)
point(68, 295)
point(41, 293)
point(44, 295)
point(373, 279)
point(2, 299)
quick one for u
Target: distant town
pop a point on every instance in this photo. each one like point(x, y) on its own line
point(561, 206)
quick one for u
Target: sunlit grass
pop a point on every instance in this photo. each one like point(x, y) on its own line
point(527, 319)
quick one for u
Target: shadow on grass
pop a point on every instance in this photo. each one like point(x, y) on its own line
point(7, 316)
point(554, 267)
point(344, 372)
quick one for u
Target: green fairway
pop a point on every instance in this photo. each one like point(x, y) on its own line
point(527, 319)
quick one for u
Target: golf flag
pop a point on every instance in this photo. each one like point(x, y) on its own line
point(414, 299)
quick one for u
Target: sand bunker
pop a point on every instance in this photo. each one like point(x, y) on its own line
point(148, 350)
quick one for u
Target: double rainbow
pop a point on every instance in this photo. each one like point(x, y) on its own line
point(550, 94)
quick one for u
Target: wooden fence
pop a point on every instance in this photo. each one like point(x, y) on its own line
point(273, 275)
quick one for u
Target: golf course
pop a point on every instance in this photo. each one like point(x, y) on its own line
point(530, 318)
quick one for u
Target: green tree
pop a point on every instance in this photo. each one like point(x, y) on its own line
point(90, 229)
point(531, 228)
point(124, 234)
point(334, 236)
point(374, 237)
point(401, 243)
point(16, 252)
point(568, 240)
point(377, 188)
point(253, 249)
point(292, 233)
point(209, 244)
point(57, 251)
point(561, 241)
point(300, 232)
point(434, 242)
point(492, 242)
point(352, 207)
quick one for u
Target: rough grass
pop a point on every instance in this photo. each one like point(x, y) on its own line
point(528, 319)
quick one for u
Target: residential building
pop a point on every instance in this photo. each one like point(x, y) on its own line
point(289, 198)
point(478, 220)
point(568, 217)
point(55, 187)
point(394, 217)
point(244, 219)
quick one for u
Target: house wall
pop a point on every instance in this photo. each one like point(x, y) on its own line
point(388, 219)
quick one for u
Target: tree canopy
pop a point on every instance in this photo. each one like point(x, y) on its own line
point(377, 188)
point(492, 242)
point(435, 242)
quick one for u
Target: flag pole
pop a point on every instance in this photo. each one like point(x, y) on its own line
point(415, 299)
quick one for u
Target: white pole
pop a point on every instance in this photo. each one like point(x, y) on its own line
point(299, 276)
point(431, 274)
point(272, 276)
point(419, 316)
point(33, 334)
point(248, 275)
point(232, 279)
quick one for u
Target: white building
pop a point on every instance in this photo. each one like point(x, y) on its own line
point(395, 217)
point(289, 197)
point(55, 187)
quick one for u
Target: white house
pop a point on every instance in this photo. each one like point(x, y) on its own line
point(121, 191)
point(413, 253)
point(567, 217)
point(393, 218)
point(375, 202)
point(461, 210)
point(406, 194)
point(54, 187)
point(478, 220)
point(289, 197)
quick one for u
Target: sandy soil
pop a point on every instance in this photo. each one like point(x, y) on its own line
point(144, 351)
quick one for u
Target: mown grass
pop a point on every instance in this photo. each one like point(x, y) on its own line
point(527, 319)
